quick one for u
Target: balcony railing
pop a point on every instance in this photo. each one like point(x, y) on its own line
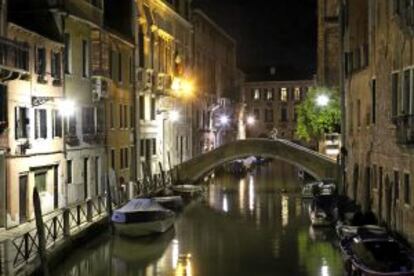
point(405, 130)
point(14, 59)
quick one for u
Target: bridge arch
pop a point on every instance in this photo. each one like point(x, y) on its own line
point(316, 164)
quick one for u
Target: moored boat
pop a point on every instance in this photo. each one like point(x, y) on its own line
point(376, 255)
point(142, 217)
point(170, 202)
point(187, 191)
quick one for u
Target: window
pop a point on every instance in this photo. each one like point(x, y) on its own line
point(154, 146)
point(111, 63)
point(72, 126)
point(256, 95)
point(85, 59)
point(120, 67)
point(88, 120)
point(397, 184)
point(111, 115)
point(283, 115)
point(113, 159)
point(67, 53)
point(126, 158)
point(141, 107)
point(121, 158)
point(55, 65)
point(283, 94)
point(269, 115)
point(394, 91)
point(406, 93)
point(152, 108)
point(69, 171)
point(269, 95)
point(126, 116)
point(373, 101)
point(41, 61)
point(256, 113)
point(40, 182)
point(40, 124)
point(21, 122)
point(56, 124)
point(407, 189)
point(296, 94)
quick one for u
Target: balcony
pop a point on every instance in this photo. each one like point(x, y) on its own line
point(14, 60)
point(405, 130)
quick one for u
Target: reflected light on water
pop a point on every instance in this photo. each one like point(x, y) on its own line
point(251, 193)
point(324, 268)
point(184, 266)
point(225, 204)
point(285, 210)
point(242, 191)
point(175, 252)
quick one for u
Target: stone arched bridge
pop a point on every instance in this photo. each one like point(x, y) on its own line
point(316, 164)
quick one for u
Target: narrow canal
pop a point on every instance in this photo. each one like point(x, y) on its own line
point(257, 225)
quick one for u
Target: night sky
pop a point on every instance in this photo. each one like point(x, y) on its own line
point(280, 33)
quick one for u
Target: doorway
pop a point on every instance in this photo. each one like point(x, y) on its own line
point(23, 180)
point(2, 190)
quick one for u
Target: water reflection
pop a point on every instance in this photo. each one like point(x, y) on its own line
point(244, 227)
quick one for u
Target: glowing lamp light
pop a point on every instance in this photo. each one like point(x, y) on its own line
point(224, 120)
point(187, 88)
point(176, 84)
point(251, 120)
point(66, 108)
point(174, 116)
point(322, 100)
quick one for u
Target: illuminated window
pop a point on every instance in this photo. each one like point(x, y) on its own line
point(283, 94)
point(269, 95)
point(256, 94)
point(296, 94)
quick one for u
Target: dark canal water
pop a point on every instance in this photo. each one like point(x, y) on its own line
point(242, 227)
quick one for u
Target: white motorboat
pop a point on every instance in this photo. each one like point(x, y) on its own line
point(170, 202)
point(142, 217)
point(187, 191)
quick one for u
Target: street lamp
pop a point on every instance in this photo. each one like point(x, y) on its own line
point(182, 87)
point(250, 120)
point(322, 100)
point(224, 120)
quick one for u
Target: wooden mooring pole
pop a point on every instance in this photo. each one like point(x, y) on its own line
point(40, 232)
